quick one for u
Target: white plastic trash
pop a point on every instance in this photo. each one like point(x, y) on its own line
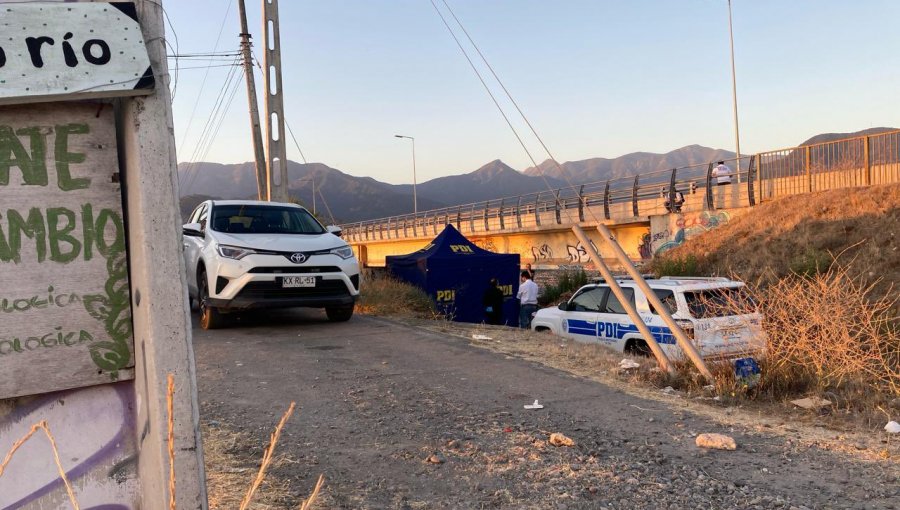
point(892, 427)
point(535, 405)
point(627, 364)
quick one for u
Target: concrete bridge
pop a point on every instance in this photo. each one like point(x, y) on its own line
point(538, 226)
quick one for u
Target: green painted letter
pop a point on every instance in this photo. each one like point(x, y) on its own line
point(55, 235)
point(64, 158)
point(12, 153)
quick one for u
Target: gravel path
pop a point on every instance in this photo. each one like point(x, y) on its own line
point(400, 417)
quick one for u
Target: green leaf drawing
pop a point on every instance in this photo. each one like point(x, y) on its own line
point(114, 311)
point(97, 306)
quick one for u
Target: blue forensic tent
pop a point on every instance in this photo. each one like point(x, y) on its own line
point(455, 273)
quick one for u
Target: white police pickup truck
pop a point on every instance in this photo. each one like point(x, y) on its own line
point(715, 313)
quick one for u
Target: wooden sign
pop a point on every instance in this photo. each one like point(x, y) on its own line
point(52, 51)
point(65, 312)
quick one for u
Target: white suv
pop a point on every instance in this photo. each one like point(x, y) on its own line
point(703, 307)
point(243, 254)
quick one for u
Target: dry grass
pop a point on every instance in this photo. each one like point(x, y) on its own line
point(383, 295)
point(229, 472)
point(826, 334)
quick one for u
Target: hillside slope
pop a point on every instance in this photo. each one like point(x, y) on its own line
point(859, 226)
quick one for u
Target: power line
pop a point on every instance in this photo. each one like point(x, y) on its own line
point(213, 125)
point(518, 109)
point(205, 136)
point(481, 79)
point(205, 75)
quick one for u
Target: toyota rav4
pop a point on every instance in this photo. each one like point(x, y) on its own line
point(243, 255)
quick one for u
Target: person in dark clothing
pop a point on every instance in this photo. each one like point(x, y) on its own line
point(493, 303)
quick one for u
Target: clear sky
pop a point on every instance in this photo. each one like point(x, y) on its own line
point(597, 78)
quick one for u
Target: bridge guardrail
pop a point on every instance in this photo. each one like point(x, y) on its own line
point(857, 161)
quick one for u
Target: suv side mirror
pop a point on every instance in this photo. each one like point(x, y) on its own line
point(564, 306)
point(334, 229)
point(192, 230)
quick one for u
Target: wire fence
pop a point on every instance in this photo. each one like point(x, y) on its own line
point(858, 161)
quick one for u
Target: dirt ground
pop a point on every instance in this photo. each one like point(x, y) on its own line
point(418, 414)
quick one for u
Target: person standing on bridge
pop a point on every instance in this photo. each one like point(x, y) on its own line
point(528, 292)
point(722, 174)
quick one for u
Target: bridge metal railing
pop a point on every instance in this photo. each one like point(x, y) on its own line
point(857, 161)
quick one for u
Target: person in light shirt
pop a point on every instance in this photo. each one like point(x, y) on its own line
point(722, 174)
point(528, 293)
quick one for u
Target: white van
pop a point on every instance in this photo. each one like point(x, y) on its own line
point(703, 307)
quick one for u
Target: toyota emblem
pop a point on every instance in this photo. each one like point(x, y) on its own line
point(298, 258)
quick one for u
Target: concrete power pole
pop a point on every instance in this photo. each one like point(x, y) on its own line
point(276, 148)
point(259, 152)
point(737, 133)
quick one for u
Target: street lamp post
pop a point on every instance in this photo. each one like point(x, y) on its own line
point(737, 136)
point(415, 203)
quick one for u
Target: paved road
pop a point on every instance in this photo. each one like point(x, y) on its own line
point(377, 399)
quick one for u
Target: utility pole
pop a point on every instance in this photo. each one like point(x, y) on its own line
point(276, 148)
point(259, 152)
point(737, 136)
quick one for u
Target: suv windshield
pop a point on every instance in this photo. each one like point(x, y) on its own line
point(705, 304)
point(264, 219)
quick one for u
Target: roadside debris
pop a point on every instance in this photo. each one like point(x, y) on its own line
point(892, 427)
point(811, 403)
point(747, 372)
point(481, 337)
point(557, 439)
point(716, 441)
point(535, 405)
point(668, 390)
point(436, 458)
point(628, 364)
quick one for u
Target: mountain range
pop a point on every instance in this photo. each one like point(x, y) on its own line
point(343, 198)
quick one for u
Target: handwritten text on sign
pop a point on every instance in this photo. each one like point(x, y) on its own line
point(53, 50)
point(65, 316)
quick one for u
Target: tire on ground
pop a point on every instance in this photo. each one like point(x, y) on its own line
point(638, 347)
point(210, 317)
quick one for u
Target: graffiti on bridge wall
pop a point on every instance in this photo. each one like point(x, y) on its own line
point(94, 432)
point(486, 244)
point(644, 249)
point(685, 227)
point(542, 252)
point(578, 253)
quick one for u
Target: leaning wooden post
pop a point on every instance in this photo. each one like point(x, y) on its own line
point(683, 341)
point(661, 357)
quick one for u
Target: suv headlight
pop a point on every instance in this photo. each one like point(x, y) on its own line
point(234, 252)
point(344, 252)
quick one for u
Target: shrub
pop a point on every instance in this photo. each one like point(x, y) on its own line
point(826, 334)
point(810, 262)
point(676, 265)
point(381, 294)
point(568, 282)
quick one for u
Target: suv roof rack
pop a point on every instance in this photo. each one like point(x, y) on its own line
point(600, 279)
point(697, 278)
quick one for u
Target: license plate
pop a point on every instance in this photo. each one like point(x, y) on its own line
point(298, 281)
point(730, 333)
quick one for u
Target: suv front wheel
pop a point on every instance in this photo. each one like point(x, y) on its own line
point(339, 313)
point(210, 318)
